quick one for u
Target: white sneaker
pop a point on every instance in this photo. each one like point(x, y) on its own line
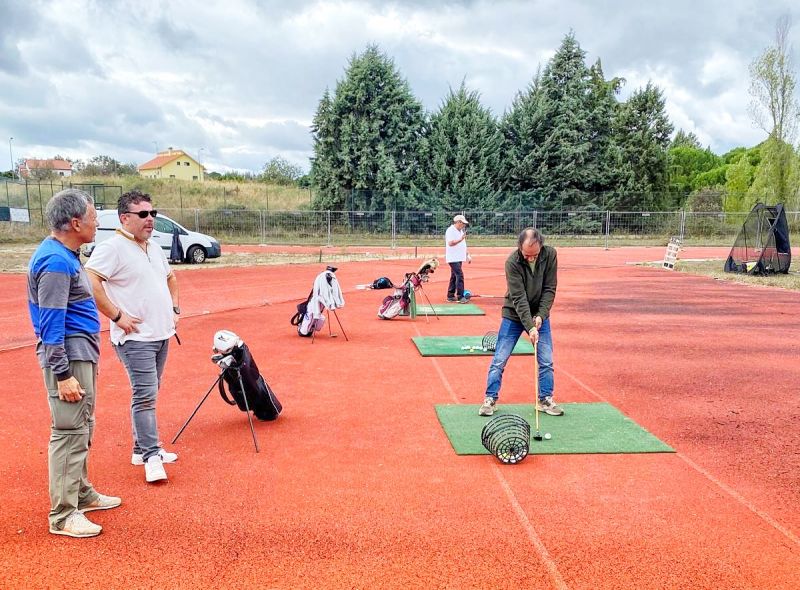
point(488, 407)
point(77, 525)
point(102, 503)
point(154, 469)
point(166, 457)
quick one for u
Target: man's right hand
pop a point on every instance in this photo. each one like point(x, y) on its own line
point(69, 390)
point(534, 336)
point(128, 323)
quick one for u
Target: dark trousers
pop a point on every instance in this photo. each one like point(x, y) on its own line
point(456, 286)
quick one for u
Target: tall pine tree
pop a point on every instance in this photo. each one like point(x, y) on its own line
point(643, 131)
point(461, 154)
point(366, 137)
point(554, 142)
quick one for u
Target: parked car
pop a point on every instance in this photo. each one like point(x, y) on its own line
point(196, 246)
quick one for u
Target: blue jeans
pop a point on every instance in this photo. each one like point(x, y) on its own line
point(144, 362)
point(507, 337)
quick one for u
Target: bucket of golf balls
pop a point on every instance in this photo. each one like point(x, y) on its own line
point(507, 437)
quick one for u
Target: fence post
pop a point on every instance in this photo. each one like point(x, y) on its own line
point(197, 220)
point(394, 231)
point(8, 198)
point(683, 223)
point(608, 227)
point(535, 216)
point(263, 220)
point(330, 243)
point(180, 197)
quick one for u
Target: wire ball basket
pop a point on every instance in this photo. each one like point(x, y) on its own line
point(489, 341)
point(507, 437)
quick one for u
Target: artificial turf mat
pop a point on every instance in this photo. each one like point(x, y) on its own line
point(451, 346)
point(583, 429)
point(450, 309)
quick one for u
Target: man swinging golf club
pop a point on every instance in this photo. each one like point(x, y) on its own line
point(531, 278)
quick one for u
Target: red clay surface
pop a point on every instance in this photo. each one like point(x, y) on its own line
point(356, 485)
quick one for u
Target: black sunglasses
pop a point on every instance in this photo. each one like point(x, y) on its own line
point(143, 214)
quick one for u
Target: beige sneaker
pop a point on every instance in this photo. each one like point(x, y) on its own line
point(548, 406)
point(77, 525)
point(102, 503)
point(488, 407)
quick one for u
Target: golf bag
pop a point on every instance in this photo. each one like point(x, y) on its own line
point(241, 375)
point(305, 321)
point(382, 283)
point(394, 305)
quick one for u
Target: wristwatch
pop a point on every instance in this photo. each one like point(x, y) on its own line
point(176, 310)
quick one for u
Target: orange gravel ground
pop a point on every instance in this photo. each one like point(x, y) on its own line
point(356, 485)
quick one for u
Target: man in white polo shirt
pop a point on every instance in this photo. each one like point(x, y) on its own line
point(455, 240)
point(136, 289)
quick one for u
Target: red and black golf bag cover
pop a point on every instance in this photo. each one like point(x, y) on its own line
point(260, 398)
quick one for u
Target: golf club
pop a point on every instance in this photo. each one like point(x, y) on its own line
point(536, 435)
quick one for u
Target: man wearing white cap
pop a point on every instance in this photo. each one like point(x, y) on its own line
point(456, 253)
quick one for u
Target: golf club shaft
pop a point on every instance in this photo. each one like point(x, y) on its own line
point(536, 381)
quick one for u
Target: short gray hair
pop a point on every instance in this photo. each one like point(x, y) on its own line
point(530, 235)
point(66, 206)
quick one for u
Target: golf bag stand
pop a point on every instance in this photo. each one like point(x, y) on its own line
point(217, 383)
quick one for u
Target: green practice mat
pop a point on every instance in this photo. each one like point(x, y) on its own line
point(451, 346)
point(583, 429)
point(450, 309)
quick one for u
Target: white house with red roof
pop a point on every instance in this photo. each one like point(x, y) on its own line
point(31, 165)
point(173, 164)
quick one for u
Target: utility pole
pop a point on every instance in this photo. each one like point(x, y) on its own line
point(11, 155)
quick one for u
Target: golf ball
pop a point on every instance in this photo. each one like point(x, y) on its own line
point(547, 436)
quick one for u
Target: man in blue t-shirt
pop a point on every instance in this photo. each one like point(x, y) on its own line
point(67, 325)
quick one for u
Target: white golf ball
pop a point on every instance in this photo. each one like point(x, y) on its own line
point(547, 436)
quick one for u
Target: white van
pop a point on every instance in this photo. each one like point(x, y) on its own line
point(196, 246)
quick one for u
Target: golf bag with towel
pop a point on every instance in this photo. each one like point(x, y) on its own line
point(326, 294)
point(241, 375)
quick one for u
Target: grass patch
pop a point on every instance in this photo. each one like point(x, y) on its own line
point(714, 269)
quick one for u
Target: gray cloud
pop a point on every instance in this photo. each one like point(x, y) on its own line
point(242, 78)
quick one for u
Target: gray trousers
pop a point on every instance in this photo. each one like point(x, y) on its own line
point(144, 362)
point(71, 428)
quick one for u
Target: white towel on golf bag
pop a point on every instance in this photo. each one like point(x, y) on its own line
point(325, 295)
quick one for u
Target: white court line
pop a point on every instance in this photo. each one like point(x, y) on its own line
point(702, 471)
point(541, 550)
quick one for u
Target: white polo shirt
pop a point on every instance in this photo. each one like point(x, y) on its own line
point(136, 282)
point(457, 253)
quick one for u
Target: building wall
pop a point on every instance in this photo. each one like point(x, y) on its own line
point(182, 168)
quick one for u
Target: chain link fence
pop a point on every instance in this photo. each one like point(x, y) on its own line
point(399, 228)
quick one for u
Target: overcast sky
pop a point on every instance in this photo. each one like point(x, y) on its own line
point(242, 78)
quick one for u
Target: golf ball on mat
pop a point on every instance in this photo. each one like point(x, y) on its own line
point(547, 436)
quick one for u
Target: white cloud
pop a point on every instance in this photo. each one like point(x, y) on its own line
point(242, 78)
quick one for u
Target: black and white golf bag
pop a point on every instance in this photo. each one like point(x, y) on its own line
point(240, 373)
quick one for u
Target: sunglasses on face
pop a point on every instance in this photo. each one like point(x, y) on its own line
point(143, 214)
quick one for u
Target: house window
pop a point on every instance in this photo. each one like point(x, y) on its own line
point(194, 178)
point(187, 164)
point(172, 176)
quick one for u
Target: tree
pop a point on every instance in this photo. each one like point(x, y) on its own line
point(683, 139)
point(280, 171)
point(104, 166)
point(461, 152)
point(643, 130)
point(548, 132)
point(738, 179)
point(366, 137)
point(775, 109)
point(687, 163)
